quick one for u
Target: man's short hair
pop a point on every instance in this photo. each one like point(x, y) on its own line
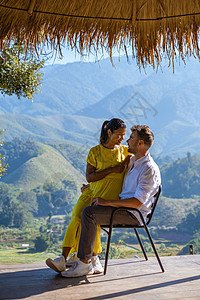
point(144, 133)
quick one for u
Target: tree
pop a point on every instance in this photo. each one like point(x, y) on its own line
point(42, 242)
point(2, 165)
point(4, 194)
point(28, 200)
point(191, 223)
point(20, 71)
point(13, 214)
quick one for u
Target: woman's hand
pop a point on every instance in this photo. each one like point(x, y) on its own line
point(127, 160)
point(92, 175)
point(121, 166)
point(84, 187)
point(118, 168)
point(98, 201)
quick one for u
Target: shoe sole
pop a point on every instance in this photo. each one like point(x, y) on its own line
point(50, 264)
point(98, 272)
point(73, 276)
point(76, 275)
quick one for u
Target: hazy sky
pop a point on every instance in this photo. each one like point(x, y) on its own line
point(72, 56)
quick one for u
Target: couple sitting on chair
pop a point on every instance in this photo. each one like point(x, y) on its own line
point(108, 165)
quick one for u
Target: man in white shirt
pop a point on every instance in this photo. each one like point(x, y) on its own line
point(140, 184)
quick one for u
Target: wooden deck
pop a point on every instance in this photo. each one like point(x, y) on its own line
point(125, 279)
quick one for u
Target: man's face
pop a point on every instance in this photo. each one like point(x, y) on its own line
point(133, 142)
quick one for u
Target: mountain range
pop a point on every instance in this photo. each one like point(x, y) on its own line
point(75, 99)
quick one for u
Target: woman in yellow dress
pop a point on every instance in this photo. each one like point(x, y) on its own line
point(106, 164)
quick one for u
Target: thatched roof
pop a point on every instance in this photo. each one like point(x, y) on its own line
point(152, 28)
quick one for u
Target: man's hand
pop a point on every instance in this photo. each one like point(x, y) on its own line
point(128, 202)
point(84, 187)
point(98, 201)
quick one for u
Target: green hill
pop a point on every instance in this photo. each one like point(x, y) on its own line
point(40, 179)
point(181, 178)
point(171, 212)
point(49, 166)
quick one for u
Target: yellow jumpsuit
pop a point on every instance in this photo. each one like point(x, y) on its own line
point(108, 188)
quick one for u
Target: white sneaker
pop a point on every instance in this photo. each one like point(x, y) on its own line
point(97, 265)
point(79, 269)
point(71, 260)
point(57, 264)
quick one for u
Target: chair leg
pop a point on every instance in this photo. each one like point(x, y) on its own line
point(141, 245)
point(107, 250)
point(154, 249)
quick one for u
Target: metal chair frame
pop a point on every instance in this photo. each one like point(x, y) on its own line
point(143, 225)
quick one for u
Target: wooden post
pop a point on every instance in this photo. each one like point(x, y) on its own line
point(31, 7)
point(134, 11)
point(191, 250)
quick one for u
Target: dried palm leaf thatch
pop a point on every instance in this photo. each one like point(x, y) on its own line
point(152, 28)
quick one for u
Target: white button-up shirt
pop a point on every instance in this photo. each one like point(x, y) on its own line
point(141, 182)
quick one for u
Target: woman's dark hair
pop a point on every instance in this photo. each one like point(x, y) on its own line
point(113, 125)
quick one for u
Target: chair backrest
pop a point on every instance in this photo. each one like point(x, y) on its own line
point(153, 206)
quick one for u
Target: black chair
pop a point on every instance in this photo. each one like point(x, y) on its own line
point(143, 225)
